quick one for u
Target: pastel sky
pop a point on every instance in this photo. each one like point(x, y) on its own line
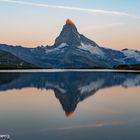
point(111, 23)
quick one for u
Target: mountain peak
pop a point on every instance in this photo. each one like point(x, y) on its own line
point(70, 36)
point(69, 22)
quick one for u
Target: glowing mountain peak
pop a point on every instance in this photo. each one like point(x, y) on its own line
point(69, 22)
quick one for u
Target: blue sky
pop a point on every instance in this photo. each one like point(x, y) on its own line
point(131, 6)
point(31, 25)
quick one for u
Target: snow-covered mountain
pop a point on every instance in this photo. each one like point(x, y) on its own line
point(73, 50)
point(132, 56)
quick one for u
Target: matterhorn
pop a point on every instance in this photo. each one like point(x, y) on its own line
point(72, 50)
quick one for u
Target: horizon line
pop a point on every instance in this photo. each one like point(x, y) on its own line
point(69, 70)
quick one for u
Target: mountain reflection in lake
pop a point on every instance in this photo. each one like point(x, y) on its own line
point(99, 105)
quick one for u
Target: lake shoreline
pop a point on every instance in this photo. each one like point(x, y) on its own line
point(69, 70)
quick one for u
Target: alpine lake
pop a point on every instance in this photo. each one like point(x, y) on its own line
point(70, 105)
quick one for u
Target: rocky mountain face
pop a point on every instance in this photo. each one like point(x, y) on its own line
point(8, 60)
point(73, 50)
point(70, 36)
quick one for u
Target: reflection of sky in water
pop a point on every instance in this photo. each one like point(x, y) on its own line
point(112, 113)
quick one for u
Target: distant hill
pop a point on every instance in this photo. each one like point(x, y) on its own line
point(10, 61)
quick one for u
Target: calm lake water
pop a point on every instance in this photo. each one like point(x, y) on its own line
point(70, 105)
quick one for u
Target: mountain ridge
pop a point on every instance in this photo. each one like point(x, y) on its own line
point(8, 60)
point(73, 50)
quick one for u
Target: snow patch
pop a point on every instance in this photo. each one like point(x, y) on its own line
point(92, 49)
point(131, 54)
point(62, 45)
point(79, 36)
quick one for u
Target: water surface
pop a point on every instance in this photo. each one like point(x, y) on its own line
point(70, 105)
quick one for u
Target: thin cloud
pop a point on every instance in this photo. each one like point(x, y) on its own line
point(95, 125)
point(103, 26)
point(115, 13)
